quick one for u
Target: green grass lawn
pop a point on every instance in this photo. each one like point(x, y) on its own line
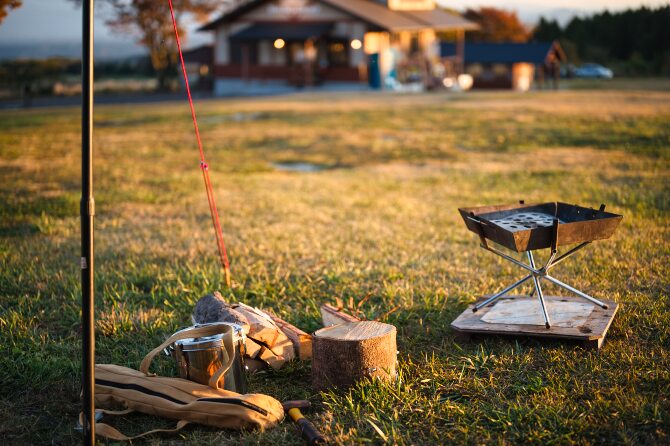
point(380, 219)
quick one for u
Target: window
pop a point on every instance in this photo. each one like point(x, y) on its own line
point(500, 69)
point(338, 54)
point(474, 69)
point(239, 49)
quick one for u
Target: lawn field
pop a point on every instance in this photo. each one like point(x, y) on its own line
point(379, 220)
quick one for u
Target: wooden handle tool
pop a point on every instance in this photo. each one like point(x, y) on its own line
point(309, 433)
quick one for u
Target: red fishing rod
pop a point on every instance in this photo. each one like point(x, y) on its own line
point(204, 166)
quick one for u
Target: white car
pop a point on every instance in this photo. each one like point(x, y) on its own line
point(594, 71)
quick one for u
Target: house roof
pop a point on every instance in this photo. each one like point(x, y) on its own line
point(370, 12)
point(533, 52)
point(442, 20)
point(287, 31)
point(232, 14)
point(378, 15)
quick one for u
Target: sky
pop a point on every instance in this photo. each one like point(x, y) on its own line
point(49, 26)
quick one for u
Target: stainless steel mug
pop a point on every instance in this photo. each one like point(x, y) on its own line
point(198, 359)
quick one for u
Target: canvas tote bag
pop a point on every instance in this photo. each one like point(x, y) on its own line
point(180, 399)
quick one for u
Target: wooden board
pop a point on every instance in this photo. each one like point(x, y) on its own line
point(331, 315)
point(564, 313)
point(588, 327)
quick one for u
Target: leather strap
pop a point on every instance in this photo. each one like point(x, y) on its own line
point(115, 412)
point(198, 331)
point(107, 431)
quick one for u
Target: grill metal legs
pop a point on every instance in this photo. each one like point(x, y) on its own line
point(537, 275)
point(501, 293)
point(576, 291)
point(538, 288)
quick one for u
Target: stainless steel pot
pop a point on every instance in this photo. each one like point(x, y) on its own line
point(198, 359)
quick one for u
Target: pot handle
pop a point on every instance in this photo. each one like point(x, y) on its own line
point(229, 344)
point(197, 331)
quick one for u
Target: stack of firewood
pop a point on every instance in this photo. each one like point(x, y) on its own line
point(344, 351)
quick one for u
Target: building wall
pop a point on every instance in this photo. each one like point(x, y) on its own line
point(517, 76)
point(222, 44)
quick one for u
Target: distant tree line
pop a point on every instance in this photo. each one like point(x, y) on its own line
point(148, 20)
point(38, 76)
point(633, 42)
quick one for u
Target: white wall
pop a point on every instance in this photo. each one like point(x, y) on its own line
point(221, 49)
point(222, 45)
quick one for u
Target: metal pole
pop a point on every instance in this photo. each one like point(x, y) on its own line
point(511, 259)
point(501, 293)
point(565, 256)
point(538, 288)
point(576, 291)
point(87, 212)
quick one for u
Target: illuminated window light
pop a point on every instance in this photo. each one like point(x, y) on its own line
point(356, 44)
point(279, 43)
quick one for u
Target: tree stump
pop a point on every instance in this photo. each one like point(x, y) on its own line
point(346, 353)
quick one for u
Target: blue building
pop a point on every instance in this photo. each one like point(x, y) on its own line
point(510, 65)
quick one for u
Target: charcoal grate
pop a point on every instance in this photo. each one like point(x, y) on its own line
point(526, 220)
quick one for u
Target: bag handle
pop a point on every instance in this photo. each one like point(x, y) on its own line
point(198, 331)
point(107, 431)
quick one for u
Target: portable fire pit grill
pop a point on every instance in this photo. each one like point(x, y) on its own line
point(529, 227)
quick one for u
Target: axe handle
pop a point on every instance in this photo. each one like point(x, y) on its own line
point(311, 435)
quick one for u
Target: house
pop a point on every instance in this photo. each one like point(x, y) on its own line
point(199, 65)
point(510, 65)
point(270, 43)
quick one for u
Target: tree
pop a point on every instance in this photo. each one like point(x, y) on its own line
point(636, 41)
point(496, 25)
point(150, 21)
point(6, 5)
point(547, 31)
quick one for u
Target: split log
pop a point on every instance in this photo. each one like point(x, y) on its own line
point(257, 353)
point(265, 332)
point(302, 342)
point(252, 350)
point(265, 340)
point(331, 315)
point(345, 353)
